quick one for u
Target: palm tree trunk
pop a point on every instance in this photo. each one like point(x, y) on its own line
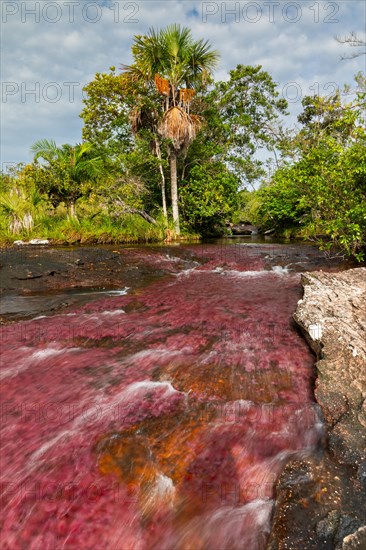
point(72, 210)
point(163, 193)
point(174, 190)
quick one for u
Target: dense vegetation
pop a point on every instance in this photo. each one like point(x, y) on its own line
point(169, 153)
point(318, 190)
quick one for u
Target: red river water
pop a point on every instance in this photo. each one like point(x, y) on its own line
point(158, 417)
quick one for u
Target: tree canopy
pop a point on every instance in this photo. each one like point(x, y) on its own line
point(165, 118)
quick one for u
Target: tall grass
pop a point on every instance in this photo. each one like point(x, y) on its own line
point(87, 228)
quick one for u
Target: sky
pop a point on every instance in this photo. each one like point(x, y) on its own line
point(51, 49)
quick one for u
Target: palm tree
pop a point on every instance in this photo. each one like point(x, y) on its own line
point(144, 116)
point(177, 64)
point(75, 165)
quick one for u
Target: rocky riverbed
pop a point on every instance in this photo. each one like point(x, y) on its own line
point(320, 496)
point(321, 500)
point(38, 280)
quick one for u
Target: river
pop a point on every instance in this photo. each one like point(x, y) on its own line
point(160, 414)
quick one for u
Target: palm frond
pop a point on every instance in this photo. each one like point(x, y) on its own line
point(44, 148)
point(173, 54)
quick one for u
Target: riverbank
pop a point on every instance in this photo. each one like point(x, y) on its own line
point(92, 229)
point(314, 509)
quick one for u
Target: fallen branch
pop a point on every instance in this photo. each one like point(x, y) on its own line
point(132, 210)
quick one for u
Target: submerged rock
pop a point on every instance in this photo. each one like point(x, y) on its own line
point(329, 511)
point(242, 228)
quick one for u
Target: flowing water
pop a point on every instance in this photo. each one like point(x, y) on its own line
point(159, 416)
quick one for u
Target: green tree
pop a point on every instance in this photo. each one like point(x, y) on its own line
point(250, 111)
point(120, 119)
point(68, 171)
point(20, 200)
point(321, 188)
point(176, 63)
point(209, 197)
point(106, 114)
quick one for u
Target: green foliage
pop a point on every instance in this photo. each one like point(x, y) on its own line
point(238, 116)
point(250, 109)
point(248, 203)
point(281, 204)
point(68, 171)
point(321, 191)
point(106, 113)
point(317, 189)
point(173, 54)
point(103, 229)
point(26, 214)
point(21, 203)
point(208, 197)
point(171, 62)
